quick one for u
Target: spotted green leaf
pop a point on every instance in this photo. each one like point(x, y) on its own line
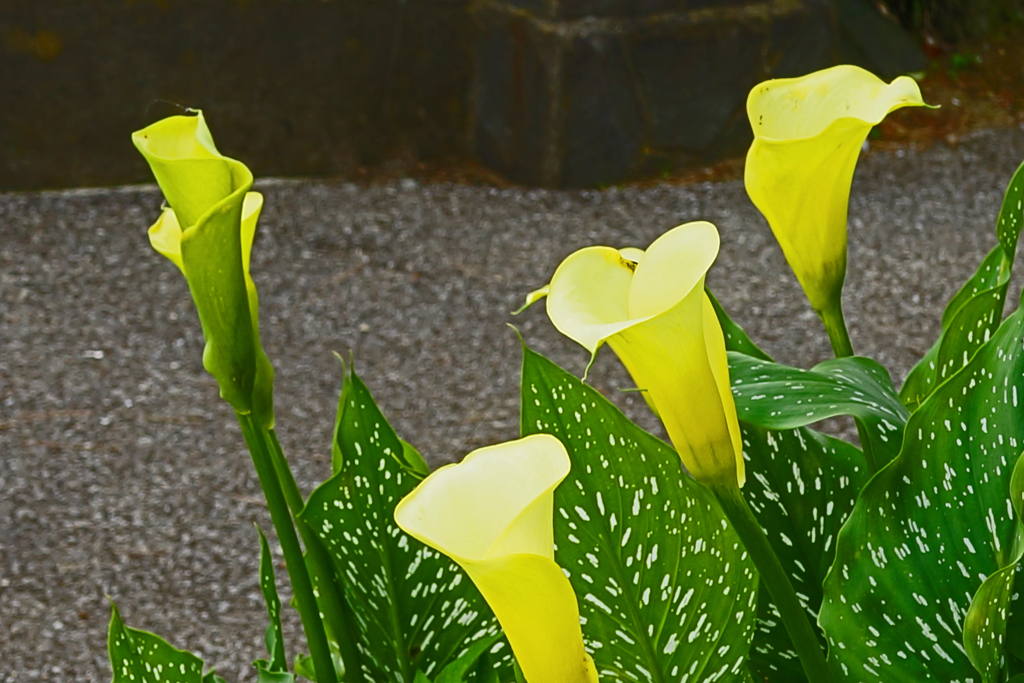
point(1015, 624)
point(974, 314)
point(802, 486)
point(781, 397)
point(415, 609)
point(985, 626)
point(143, 657)
point(276, 668)
point(665, 589)
point(414, 461)
point(930, 527)
point(735, 337)
point(459, 670)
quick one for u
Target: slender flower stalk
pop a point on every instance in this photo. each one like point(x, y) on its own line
point(835, 326)
point(839, 337)
point(793, 614)
point(336, 614)
point(298, 574)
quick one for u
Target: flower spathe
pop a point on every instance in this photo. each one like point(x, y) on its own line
point(651, 308)
point(492, 514)
point(808, 134)
point(207, 232)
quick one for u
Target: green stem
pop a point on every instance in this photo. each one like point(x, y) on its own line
point(865, 445)
point(263, 461)
point(292, 493)
point(838, 335)
point(337, 614)
point(794, 617)
point(835, 325)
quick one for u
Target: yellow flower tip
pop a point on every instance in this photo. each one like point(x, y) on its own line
point(631, 254)
point(177, 137)
point(598, 291)
point(194, 177)
point(588, 295)
point(532, 298)
point(672, 267)
point(789, 109)
point(252, 205)
point(492, 514)
point(165, 237)
point(649, 306)
point(476, 509)
point(808, 133)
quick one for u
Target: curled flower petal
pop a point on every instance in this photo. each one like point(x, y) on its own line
point(165, 234)
point(492, 514)
point(654, 314)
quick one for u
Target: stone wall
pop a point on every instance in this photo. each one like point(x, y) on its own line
point(570, 98)
point(294, 87)
point(547, 92)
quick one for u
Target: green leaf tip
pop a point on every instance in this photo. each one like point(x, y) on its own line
point(143, 657)
point(278, 662)
point(974, 314)
point(518, 334)
point(985, 625)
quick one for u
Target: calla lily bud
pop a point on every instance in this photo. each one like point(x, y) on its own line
point(808, 133)
point(493, 515)
point(207, 232)
point(651, 308)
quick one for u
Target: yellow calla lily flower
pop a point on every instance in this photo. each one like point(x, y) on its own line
point(808, 133)
point(650, 307)
point(165, 234)
point(492, 514)
point(207, 233)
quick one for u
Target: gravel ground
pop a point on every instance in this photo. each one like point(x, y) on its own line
point(122, 475)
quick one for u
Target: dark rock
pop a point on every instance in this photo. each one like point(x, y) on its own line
point(602, 129)
point(547, 92)
point(515, 121)
point(874, 42)
point(613, 9)
point(628, 95)
point(802, 42)
point(694, 77)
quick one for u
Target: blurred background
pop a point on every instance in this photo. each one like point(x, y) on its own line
point(555, 93)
